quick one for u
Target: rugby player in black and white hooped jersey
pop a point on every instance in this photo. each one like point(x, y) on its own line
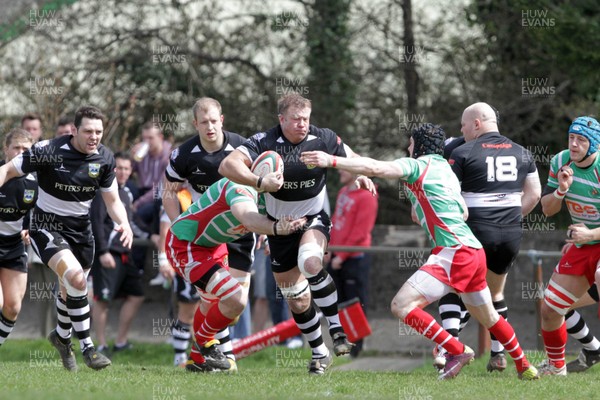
point(32, 123)
point(197, 162)
point(297, 260)
point(17, 197)
point(70, 170)
point(500, 185)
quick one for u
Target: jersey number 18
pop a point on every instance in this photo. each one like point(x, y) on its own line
point(501, 168)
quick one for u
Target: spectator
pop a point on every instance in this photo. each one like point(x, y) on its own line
point(149, 169)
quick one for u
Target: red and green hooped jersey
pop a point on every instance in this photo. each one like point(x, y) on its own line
point(583, 198)
point(434, 191)
point(209, 221)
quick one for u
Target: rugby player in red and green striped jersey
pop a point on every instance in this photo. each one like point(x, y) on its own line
point(457, 262)
point(196, 248)
point(575, 179)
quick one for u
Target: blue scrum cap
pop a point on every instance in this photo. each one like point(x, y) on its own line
point(589, 128)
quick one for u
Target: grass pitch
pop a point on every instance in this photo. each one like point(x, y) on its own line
point(32, 370)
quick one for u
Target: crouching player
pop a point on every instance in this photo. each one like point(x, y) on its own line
point(457, 262)
point(195, 247)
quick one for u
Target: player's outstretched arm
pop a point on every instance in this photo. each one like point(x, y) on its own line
point(357, 165)
point(116, 211)
point(247, 214)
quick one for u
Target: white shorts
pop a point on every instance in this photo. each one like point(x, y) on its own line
point(433, 289)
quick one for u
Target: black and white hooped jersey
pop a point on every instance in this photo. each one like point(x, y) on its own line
point(303, 191)
point(492, 170)
point(17, 197)
point(193, 163)
point(67, 179)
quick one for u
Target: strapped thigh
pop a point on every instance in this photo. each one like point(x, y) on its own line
point(477, 299)
point(431, 288)
point(222, 285)
point(558, 298)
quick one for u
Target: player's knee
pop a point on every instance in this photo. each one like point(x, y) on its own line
point(236, 302)
point(11, 309)
point(403, 304)
point(71, 275)
point(244, 282)
point(547, 313)
point(312, 267)
point(75, 282)
point(310, 259)
point(299, 305)
point(486, 314)
point(297, 296)
point(399, 308)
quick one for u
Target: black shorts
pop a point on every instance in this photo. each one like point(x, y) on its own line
point(46, 244)
point(284, 249)
point(185, 291)
point(500, 243)
point(241, 252)
point(12, 253)
point(51, 233)
point(123, 280)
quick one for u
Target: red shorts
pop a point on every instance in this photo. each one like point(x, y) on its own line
point(191, 261)
point(462, 268)
point(581, 261)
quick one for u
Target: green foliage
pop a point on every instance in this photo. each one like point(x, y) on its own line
point(332, 79)
point(12, 30)
point(139, 60)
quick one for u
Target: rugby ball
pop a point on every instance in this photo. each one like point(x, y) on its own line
point(267, 162)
